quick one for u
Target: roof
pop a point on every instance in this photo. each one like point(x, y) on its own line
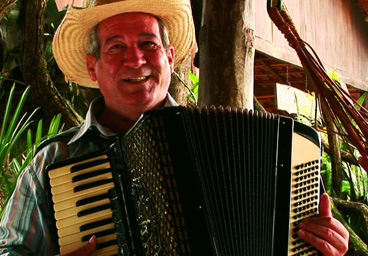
point(268, 71)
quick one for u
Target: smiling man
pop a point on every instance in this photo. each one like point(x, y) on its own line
point(133, 68)
point(128, 49)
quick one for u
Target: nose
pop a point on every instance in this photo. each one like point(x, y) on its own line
point(134, 57)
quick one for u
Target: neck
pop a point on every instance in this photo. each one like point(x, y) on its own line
point(116, 122)
point(119, 122)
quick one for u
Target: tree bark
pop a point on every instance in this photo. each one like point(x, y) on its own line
point(5, 6)
point(177, 89)
point(227, 53)
point(34, 67)
point(335, 152)
point(345, 156)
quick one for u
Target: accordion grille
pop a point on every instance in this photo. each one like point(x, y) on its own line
point(157, 208)
point(236, 154)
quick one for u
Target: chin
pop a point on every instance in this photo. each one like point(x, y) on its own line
point(144, 104)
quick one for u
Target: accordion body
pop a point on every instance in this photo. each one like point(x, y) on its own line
point(190, 181)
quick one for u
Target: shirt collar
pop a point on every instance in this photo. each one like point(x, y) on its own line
point(91, 122)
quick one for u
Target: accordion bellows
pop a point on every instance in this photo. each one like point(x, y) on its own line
point(190, 181)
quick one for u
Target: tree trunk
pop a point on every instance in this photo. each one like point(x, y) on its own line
point(356, 244)
point(177, 89)
point(5, 6)
point(227, 53)
point(345, 155)
point(335, 152)
point(33, 64)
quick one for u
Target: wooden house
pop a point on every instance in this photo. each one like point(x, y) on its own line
point(336, 29)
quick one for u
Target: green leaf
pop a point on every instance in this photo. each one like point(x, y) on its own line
point(193, 78)
point(54, 125)
point(29, 141)
point(360, 100)
point(39, 133)
point(6, 114)
point(14, 120)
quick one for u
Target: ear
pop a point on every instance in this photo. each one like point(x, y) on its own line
point(91, 66)
point(171, 57)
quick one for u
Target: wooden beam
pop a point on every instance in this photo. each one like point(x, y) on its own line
point(289, 56)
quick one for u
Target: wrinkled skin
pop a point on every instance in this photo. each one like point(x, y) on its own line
point(324, 232)
point(133, 70)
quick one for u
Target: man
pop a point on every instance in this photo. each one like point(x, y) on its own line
point(131, 62)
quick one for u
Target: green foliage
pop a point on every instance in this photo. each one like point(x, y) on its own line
point(354, 188)
point(360, 100)
point(10, 45)
point(13, 126)
point(354, 184)
point(194, 87)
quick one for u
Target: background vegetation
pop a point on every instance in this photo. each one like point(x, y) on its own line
point(27, 118)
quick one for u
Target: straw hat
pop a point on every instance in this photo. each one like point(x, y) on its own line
point(70, 41)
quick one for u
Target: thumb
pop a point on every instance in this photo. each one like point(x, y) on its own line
point(91, 246)
point(85, 250)
point(324, 206)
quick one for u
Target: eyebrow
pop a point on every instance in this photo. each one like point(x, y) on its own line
point(143, 34)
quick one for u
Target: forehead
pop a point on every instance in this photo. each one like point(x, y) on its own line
point(129, 23)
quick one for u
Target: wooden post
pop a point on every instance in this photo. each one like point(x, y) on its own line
point(177, 89)
point(227, 53)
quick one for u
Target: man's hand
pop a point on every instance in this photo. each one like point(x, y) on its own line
point(324, 232)
point(85, 250)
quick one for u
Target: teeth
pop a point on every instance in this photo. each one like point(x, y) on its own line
point(136, 79)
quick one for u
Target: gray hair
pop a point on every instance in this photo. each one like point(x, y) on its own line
point(93, 46)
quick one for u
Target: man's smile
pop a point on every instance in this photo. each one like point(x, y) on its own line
point(136, 79)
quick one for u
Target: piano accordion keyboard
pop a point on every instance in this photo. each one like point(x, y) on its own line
point(82, 206)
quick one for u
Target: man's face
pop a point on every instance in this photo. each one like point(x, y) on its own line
point(133, 70)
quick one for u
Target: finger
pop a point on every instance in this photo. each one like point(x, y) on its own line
point(314, 224)
point(90, 247)
point(320, 244)
point(86, 249)
point(324, 206)
point(319, 234)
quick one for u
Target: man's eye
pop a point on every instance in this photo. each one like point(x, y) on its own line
point(148, 45)
point(116, 46)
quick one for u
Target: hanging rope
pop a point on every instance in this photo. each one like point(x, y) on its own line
point(349, 120)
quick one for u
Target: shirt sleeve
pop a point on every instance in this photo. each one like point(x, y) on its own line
point(27, 223)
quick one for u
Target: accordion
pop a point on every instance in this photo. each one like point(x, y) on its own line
point(193, 181)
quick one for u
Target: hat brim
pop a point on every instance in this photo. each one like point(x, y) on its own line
point(70, 40)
